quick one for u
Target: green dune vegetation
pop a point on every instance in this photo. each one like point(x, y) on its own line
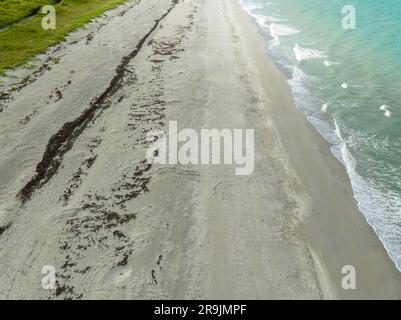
point(12, 11)
point(21, 38)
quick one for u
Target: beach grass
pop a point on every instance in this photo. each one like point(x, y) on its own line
point(23, 40)
point(12, 11)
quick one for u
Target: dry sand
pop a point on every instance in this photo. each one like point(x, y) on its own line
point(116, 227)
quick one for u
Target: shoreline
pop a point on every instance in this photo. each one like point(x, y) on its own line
point(115, 227)
point(376, 216)
point(324, 151)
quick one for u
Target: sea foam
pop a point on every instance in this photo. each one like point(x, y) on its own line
point(302, 54)
point(330, 63)
point(387, 112)
point(280, 30)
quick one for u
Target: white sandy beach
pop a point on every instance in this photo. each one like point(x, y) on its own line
point(115, 227)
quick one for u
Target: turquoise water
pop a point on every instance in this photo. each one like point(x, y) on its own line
point(348, 83)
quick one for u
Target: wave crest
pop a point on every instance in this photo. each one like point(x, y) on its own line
point(302, 54)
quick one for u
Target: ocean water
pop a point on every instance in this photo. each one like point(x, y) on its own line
point(348, 84)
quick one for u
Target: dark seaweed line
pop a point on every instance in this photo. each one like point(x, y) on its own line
point(4, 228)
point(64, 139)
